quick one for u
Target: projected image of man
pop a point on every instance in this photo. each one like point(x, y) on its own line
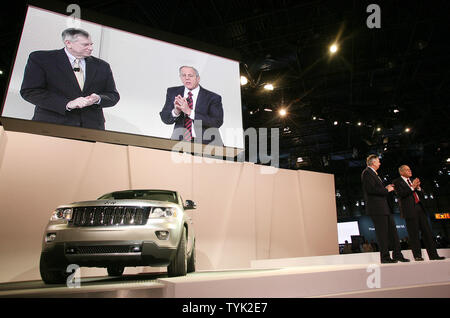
point(69, 86)
point(195, 112)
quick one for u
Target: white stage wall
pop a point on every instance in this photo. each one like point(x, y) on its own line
point(242, 215)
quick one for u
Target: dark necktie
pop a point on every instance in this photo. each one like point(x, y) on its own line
point(416, 197)
point(187, 120)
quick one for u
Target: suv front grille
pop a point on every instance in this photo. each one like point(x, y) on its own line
point(109, 216)
point(120, 249)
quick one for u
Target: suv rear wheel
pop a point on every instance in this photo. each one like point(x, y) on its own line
point(178, 266)
point(191, 261)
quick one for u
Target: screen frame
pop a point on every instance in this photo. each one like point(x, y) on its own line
point(122, 138)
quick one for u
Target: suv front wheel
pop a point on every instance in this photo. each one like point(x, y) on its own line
point(58, 276)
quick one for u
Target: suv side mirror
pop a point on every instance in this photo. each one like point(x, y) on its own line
point(190, 205)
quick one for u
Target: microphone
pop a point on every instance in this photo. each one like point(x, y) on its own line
point(76, 69)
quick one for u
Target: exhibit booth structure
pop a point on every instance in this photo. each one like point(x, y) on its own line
point(260, 232)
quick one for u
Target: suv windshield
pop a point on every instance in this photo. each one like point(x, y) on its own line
point(167, 196)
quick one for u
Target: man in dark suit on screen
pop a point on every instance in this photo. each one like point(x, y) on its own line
point(69, 86)
point(413, 211)
point(377, 206)
point(195, 112)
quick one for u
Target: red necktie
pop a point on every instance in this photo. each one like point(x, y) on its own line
point(187, 120)
point(416, 197)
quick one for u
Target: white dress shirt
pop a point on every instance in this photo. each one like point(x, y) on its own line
point(410, 186)
point(72, 59)
point(195, 92)
point(82, 64)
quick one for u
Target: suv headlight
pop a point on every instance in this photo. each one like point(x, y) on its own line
point(61, 214)
point(163, 212)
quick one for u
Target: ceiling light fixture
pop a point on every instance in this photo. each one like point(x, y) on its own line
point(244, 80)
point(268, 87)
point(333, 48)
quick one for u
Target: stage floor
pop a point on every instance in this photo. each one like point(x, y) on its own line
point(353, 275)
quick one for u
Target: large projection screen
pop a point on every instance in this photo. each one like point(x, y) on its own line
point(143, 69)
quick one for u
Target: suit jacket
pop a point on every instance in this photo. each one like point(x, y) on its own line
point(208, 115)
point(50, 83)
point(375, 194)
point(406, 199)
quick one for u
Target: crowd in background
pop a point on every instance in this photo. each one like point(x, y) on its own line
point(368, 247)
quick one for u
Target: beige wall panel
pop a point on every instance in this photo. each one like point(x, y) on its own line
point(37, 174)
point(264, 197)
point(3, 139)
point(158, 169)
point(225, 216)
point(317, 196)
point(106, 170)
point(287, 237)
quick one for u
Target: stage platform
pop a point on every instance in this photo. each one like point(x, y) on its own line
point(352, 275)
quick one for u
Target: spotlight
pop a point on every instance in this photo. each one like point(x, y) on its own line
point(378, 128)
point(335, 123)
point(244, 80)
point(299, 159)
point(1, 72)
point(407, 130)
point(268, 87)
point(314, 118)
point(448, 160)
point(359, 123)
point(282, 112)
point(396, 111)
point(333, 48)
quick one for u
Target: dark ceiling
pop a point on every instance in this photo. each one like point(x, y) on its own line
point(402, 66)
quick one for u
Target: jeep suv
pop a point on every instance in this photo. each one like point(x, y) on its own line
point(119, 229)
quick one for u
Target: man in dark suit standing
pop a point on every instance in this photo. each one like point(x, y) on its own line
point(69, 86)
point(377, 206)
point(196, 112)
point(413, 211)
